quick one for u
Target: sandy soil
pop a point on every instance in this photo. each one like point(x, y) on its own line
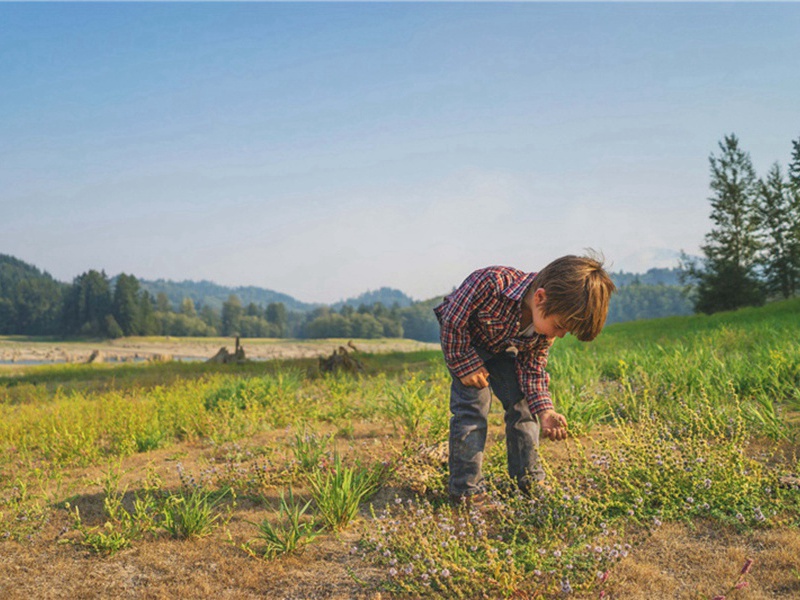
point(22, 350)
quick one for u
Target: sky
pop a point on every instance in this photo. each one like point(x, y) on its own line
point(323, 149)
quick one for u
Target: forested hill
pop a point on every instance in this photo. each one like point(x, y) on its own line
point(30, 299)
point(386, 296)
point(33, 303)
point(207, 293)
point(651, 277)
point(651, 295)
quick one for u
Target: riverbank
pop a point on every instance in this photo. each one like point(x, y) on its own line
point(27, 350)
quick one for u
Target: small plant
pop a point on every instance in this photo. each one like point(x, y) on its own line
point(289, 535)
point(339, 490)
point(190, 513)
point(309, 449)
point(122, 526)
point(416, 407)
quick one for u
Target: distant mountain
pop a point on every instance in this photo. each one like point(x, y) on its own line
point(214, 295)
point(386, 296)
point(651, 277)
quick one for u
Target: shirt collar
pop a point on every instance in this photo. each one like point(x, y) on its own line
point(516, 290)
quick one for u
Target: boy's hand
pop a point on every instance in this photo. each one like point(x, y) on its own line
point(477, 379)
point(554, 425)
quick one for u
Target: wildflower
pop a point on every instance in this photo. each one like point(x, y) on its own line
point(537, 573)
point(690, 500)
point(542, 551)
point(656, 522)
point(424, 577)
point(630, 512)
point(557, 553)
point(392, 572)
point(445, 573)
point(566, 588)
point(509, 552)
point(758, 514)
point(706, 483)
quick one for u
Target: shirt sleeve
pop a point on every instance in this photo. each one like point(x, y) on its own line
point(533, 379)
point(454, 314)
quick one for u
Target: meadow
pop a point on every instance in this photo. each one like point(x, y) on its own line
point(273, 480)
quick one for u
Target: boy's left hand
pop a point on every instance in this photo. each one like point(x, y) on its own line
point(554, 425)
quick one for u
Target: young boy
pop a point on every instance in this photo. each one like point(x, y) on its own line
point(496, 330)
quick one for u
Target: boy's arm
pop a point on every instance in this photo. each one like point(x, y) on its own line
point(535, 384)
point(453, 315)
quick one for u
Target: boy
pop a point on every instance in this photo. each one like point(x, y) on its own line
point(496, 330)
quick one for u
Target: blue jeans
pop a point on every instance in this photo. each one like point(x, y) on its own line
point(468, 426)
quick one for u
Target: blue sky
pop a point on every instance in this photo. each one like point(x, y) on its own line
point(325, 149)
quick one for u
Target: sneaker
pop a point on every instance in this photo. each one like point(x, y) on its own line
point(480, 500)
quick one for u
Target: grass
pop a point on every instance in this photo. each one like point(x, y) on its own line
point(678, 426)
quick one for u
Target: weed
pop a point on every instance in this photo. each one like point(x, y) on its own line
point(289, 535)
point(339, 490)
point(190, 513)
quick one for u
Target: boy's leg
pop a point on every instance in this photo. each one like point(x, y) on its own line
point(469, 407)
point(522, 428)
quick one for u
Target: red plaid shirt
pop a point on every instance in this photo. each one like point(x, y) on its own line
point(485, 311)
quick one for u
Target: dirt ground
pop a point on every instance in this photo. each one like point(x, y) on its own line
point(21, 350)
point(679, 561)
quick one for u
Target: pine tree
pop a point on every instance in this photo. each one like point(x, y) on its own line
point(126, 305)
point(779, 224)
point(232, 313)
point(726, 280)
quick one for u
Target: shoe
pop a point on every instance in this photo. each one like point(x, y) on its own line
point(480, 500)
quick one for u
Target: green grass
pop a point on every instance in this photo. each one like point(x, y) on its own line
point(681, 419)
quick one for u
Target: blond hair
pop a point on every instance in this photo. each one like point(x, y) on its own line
point(577, 290)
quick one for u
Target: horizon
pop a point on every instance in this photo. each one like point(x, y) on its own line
point(316, 149)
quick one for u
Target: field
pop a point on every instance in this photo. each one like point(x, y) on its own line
point(273, 480)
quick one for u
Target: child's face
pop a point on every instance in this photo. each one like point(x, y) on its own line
point(552, 325)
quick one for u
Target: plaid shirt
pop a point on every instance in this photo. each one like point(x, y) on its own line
point(485, 311)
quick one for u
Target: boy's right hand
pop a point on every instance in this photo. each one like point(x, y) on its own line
point(477, 379)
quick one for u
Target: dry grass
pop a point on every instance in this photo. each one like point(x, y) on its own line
point(677, 561)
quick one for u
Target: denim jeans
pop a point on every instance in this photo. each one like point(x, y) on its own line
point(468, 426)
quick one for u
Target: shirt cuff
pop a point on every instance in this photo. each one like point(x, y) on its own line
point(540, 403)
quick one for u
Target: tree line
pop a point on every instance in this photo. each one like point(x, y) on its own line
point(752, 253)
point(94, 305)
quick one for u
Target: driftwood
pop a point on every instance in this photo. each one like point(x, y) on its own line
point(226, 357)
point(95, 357)
point(341, 360)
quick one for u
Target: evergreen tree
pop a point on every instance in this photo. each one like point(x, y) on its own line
point(211, 318)
point(163, 304)
point(150, 324)
point(87, 304)
point(726, 280)
point(188, 308)
point(779, 223)
point(232, 313)
point(126, 306)
point(276, 315)
point(794, 166)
